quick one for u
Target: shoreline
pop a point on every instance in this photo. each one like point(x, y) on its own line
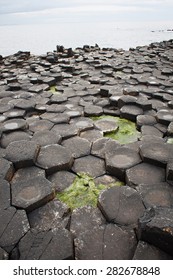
point(56, 111)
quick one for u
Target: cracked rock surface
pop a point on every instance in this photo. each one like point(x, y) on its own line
point(52, 128)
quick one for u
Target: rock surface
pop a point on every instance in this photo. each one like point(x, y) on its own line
point(54, 123)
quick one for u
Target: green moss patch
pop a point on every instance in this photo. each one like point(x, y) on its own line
point(127, 132)
point(53, 89)
point(83, 191)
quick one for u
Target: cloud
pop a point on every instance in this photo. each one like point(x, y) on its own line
point(43, 11)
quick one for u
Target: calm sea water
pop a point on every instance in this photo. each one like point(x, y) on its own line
point(40, 39)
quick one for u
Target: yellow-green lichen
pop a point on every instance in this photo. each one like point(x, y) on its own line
point(127, 132)
point(83, 192)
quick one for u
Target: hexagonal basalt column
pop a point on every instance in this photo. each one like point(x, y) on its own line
point(119, 160)
point(121, 205)
point(6, 169)
point(22, 153)
point(53, 158)
point(31, 194)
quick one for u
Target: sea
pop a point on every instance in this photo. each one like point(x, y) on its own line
point(42, 38)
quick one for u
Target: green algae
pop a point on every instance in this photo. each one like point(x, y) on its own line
point(54, 90)
point(127, 132)
point(83, 191)
point(170, 141)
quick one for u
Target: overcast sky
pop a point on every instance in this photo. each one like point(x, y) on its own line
point(54, 11)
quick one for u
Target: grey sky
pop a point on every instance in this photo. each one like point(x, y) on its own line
point(53, 11)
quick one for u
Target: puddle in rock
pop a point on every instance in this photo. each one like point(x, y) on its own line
point(126, 132)
point(84, 191)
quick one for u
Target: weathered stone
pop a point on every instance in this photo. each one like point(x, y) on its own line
point(54, 158)
point(56, 118)
point(77, 146)
point(92, 110)
point(26, 104)
point(46, 137)
point(99, 147)
point(145, 251)
point(106, 125)
point(158, 154)
point(3, 255)
point(165, 116)
point(156, 228)
point(91, 165)
point(14, 124)
point(145, 173)
point(151, 130)
point(61, 180)
point(160, 194)
point(91, 135)
point(126, 100)
point(83, 124)
point(108, 242)
point(4, 194)
point(7, 138)
point(22, 153)
point(27, 173)
point(170, 129)
point(145, 120)
point(15, 113)
point(40, 125)
point(6, 169)
point(118, 161)
point(130, 112)
point(66, 130)
point(50, 216)
point(84, 219)
point(121, 205)
point(55, 108)
point(46, 245)
point(14, 225)
point(32, 193)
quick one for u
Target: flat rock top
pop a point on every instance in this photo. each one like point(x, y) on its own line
point(55, 123)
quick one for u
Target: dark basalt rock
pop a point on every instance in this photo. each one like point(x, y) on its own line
point(77, 146)
point(32, 193)
point(46, 137)
point(156, 228)
point(118, 161)
point(61, 180)
point(3, 255)
point(108, 242)
point(130, 112)
point(54, 158)
point(85, 164)
point(14, 124)
point(7, 138)
point(5, 195)
point(85, 219)
point(145, 173)
point(50, 216)
point(121, 205)
point(145, 251)
point(46, 245)
point(6, 169)
point(14, 225)
point(22, 153)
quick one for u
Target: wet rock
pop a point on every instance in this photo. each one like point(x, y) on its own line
point(145, 173)
point(156, 228)
point(118, 161)
point(32, 193)
point(14, 225)
point(6, 169)
point(85, 218)
point(22, 153)
point(121, 205)
point(145, 251)
point(46, 245)
point(85, 164)
point(106, 242)
point(50, 216)
point(77, 146)
point(46, 137)
point(4, 194)
point(61, 180)
point(165, 116)
point(159, 194)
point(54, 158)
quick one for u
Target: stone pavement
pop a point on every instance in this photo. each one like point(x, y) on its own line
point(48, 135)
